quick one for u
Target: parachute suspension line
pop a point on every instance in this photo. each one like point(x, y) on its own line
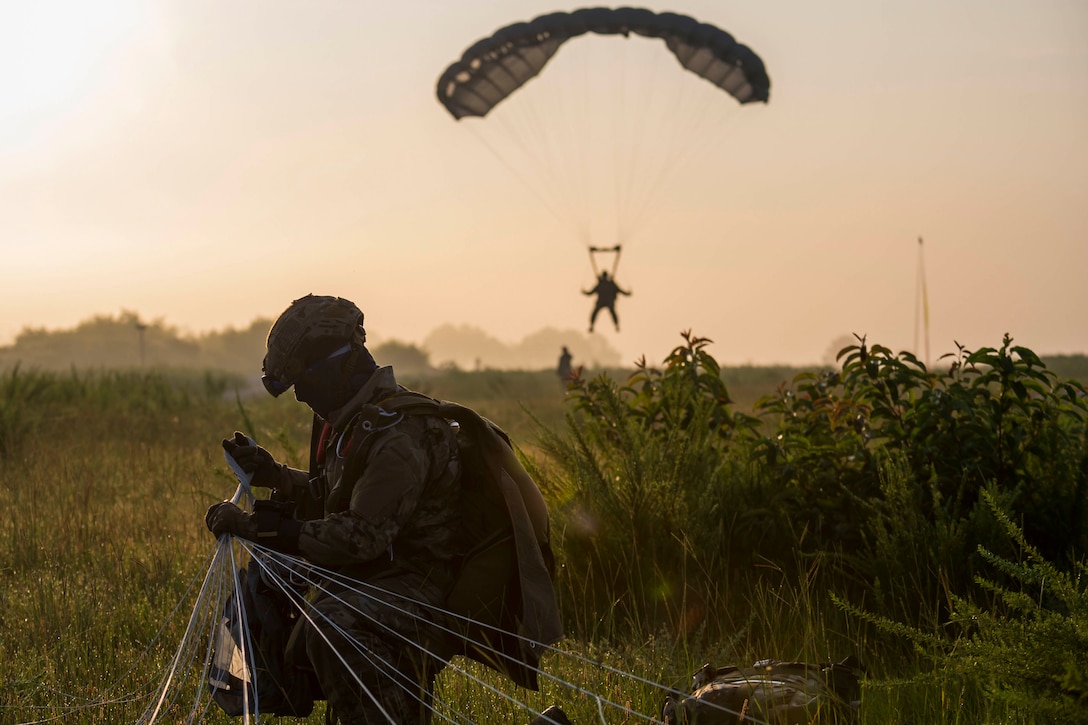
point(223, 574)
point(212, 623)
point(583, 212)
point(203, 611)
point(566, 99)
point(248, 652)
point(648, 118)
point(388, 668)
point(545, 202)
point(617, 133)
point(203, 617)
point(696, 111)
point(672, 115)
point(320, 578)
point(600, 710)
point(244, 643)
point(518, 136)
point(162, 628)
point(385, 667)
point(546, 153)
point(177, 660)
point(358, 587)
point(142, 691)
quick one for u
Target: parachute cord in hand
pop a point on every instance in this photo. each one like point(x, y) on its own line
point(318, 575)
point(287, 588)
point(222, 575)
point(362, 588)
point(259, 553)
point(245, 480)
point(393, 673)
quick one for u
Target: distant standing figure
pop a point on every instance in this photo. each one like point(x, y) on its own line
point(564, 369)
point(606, 291)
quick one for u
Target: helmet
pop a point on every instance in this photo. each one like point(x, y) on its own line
point(309, 330)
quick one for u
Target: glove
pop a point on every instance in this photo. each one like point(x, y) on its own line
point(226, 518)
point(253, 459)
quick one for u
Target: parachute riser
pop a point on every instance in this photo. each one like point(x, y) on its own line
point(615, 260)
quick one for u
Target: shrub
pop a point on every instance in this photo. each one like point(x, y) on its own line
point(1026, 647)
point(665, 491)
point(996, 416)
point(19, 413)
point(1031, 651)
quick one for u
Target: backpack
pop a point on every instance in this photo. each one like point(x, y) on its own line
point(502, 594)
point(770, 690)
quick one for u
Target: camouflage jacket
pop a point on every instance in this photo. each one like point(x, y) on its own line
point(381, 489)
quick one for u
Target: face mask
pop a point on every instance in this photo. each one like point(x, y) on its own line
point(322, 386)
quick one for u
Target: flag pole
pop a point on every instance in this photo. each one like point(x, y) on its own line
point(921, 304)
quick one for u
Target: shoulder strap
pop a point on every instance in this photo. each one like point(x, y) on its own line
point(483, 431)
point(360, 434)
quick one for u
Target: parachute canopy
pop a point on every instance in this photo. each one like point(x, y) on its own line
point(493, 68)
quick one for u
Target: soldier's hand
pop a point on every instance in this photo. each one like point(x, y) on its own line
point(253, 459)
point(226, 518)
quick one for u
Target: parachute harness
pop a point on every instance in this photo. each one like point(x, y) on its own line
point(371, 419)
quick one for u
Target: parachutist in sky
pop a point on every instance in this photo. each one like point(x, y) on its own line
point(606, 291)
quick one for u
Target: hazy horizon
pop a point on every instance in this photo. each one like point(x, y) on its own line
point(206, 163)
point(106, 340)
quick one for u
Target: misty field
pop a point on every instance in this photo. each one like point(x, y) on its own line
point(932, 525)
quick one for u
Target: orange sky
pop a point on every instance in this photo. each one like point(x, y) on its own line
point(205, 162)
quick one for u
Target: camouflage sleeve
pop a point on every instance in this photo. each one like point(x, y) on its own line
point(382, 501)
point(293, 484)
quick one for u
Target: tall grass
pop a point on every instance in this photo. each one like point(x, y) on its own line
point(99, 495)
point(856, 492)
point(674, 551)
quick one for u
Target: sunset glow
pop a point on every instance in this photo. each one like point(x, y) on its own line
point(204, 163)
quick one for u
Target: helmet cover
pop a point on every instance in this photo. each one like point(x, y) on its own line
point(310, 329)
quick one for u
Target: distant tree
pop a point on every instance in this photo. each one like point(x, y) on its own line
point(239, 351)
point(404, 357)
point(538, 350)
point(102, 342)
point(463, 346)
point(838, 344)
point(105, 341)
point(1068, 366)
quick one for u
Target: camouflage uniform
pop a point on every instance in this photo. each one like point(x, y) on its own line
point(390, 493)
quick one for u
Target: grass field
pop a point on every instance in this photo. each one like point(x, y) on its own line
point(103, 486)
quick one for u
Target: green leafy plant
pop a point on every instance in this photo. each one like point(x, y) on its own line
point(996, 415)
point(1025, 646)
point(649, 493)
point(1030, 651)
